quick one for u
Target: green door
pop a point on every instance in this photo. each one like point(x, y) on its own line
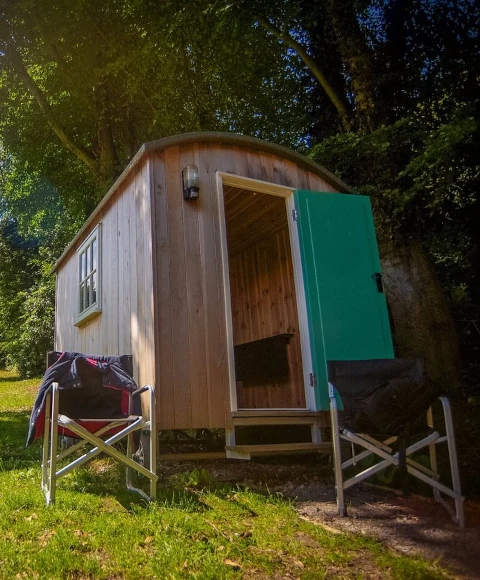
point(346, 306)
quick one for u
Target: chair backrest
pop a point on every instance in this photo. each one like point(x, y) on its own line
point(93, 400)
point(359, 376)
point(384, 395)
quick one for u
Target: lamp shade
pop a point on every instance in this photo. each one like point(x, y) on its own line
point(190, 182)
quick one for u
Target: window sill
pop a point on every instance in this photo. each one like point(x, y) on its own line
point(87, 315)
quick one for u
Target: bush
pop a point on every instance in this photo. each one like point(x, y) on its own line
point(27, 352)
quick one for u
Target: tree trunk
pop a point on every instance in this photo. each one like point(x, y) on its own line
point(107, 158)
point(358, 59)
point(422, 321)
point(336, 100)
point(106, 170)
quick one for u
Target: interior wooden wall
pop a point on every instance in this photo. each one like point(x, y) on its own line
point(263, 293)
point(125, 325)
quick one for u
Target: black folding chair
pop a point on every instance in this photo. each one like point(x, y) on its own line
point(93, 399)
point(382, 403)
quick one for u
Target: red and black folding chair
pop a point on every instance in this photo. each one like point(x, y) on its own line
point(94, 400)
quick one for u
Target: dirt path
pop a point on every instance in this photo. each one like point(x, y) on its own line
point(414, 526)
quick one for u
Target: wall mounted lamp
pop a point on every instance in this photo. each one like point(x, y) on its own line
point(190, 182)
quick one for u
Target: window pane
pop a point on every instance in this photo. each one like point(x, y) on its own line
point(94, 288)
point(87, 293)
point(89, 298)
point(82, 265)
point(94, 254)
point(82, 297)
point(89, 260)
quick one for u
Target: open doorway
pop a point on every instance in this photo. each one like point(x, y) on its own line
point(269, 372)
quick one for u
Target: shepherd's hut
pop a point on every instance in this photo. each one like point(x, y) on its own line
point(231, 269)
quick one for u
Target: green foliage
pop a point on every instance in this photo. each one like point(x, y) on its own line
point(423, 176)
point(116, 75)
point(27, 353)
point(197, 478)
point(16, 273)
point(83, 84)
point(35, 225)
point(27, 300)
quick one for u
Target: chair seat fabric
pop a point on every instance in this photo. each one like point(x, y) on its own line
point(94, 386)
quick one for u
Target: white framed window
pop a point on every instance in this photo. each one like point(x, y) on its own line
point(89, 267)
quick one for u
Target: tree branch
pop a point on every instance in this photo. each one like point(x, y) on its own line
point(313, 68)
point(18, 67)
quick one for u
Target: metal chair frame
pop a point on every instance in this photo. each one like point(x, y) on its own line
point(387, 455)
point(128, 425)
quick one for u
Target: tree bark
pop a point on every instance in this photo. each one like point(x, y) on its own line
point(358, 60)
point(423, 325)
point(314, 68)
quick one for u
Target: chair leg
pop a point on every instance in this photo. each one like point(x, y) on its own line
point(337, 455)
point(46, 444)
point(402, 461)
point(52, 459)
point(452, 453)
point(152, 467)
point(316, 433)
point(153, 443)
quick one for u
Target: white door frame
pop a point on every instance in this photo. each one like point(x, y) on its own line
point(287, 193)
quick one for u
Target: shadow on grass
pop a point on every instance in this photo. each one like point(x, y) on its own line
point(12, 379)
point(99, 480)
point(13, 436)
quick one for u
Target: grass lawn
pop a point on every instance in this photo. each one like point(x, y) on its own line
point(196, 528)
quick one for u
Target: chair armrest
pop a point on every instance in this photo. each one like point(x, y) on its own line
point(142, 390)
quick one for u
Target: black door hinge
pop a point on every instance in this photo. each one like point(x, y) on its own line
point(378, 279)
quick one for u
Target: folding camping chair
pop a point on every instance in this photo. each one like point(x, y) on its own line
point(383, 402)
point(96, 402)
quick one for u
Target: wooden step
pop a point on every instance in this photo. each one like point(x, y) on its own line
point(249, 451)
point(243, 421)
point(302, 417)
point(277, 413)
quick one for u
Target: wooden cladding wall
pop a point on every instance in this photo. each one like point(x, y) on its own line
point(191, 350)
point(163, 296)
point(125, 325)
point(191, 341)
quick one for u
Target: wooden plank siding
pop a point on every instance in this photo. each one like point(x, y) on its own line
point(125, 325)
point(210, 160)
point(162, 282)
point(192, 368)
